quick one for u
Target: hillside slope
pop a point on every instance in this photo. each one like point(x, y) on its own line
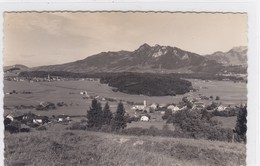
point(103, 149)
point(145, 58)
point(235, 56)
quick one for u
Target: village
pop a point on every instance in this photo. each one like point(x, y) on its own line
point(150, 113)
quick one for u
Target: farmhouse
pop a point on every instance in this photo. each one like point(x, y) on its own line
point(153, 106)
point(37, 121)
point(173, 108)
point(40, 119)
point(28, 117)
point(16, 115)
point(9, 116)
point(63, 118)
point(221, 108)
point(144, 118)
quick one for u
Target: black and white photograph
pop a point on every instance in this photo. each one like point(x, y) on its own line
point(113, 88)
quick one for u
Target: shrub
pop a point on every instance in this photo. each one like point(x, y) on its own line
point(135, 131)
point(212, 106)
point(46, 106)
point(77, 126)
point(12, 129)
point(167, 115)
point(25, 130)
point(61, 104)
point(241, 124)
point(83, 121)
point(40, 128)
point(33, 125)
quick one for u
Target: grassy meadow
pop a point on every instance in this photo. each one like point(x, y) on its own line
point(68, 92)
point(93, 148)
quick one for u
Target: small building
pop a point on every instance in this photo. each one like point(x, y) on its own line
point(40, 119)
point(162, 105)
point(153, 106)
point(221, 108)
point(199, 105)
point(162, 112)
point(63, 118)
point(173, 108)
point(9, 116)
point(83, 93)
point(144, 118)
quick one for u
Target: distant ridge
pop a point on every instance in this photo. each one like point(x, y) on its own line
point(146, 58)
point(235, 56)
point(16, 67)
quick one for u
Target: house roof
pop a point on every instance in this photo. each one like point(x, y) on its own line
point(16, 114)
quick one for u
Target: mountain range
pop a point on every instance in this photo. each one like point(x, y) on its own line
point(235, 56)
point(156, 58)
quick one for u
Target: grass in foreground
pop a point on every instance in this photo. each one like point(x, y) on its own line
point(92, 148)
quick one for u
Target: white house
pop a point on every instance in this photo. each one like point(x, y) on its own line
point(60, 119)
point(221, 108)
point(162, 112)
point(144, 118)
point(153, 106)
point(10, 117)
point(173, 108)
point(37, 121)
point(84, 93)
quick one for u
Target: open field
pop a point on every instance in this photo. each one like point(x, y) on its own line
point(227, 122)
point(91, 148)
point(229, 92)
point(68, 92)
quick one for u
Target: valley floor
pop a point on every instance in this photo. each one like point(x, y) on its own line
point(94, 148)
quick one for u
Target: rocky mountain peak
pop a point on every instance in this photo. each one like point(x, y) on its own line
point(144, 46)
point(239, 49)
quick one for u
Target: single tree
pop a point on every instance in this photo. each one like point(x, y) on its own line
point(107, 115)
point(94, 115)
point(100, 119)
point(119, 121)
point(167, 115)
point(217, 98)
point(241, 124)
point(187, 102)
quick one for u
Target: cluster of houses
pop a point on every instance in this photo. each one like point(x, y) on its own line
point(48, 78)
point(195, 103)
point(28, 120)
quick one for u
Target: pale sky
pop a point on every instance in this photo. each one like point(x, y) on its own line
point(35, 39)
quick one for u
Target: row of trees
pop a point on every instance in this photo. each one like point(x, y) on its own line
point(98, 117)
